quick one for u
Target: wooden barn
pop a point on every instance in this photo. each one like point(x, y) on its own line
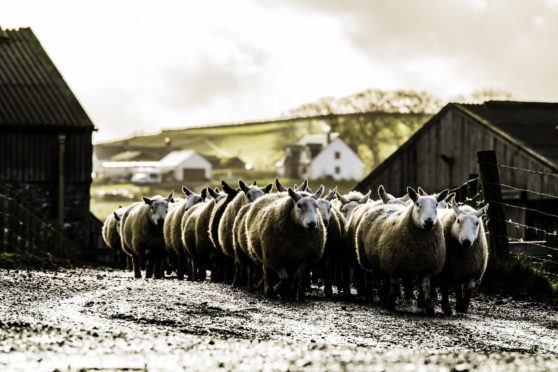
point(45, 136)
point(442, 154)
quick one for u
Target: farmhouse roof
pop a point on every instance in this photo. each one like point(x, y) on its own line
point(132, 153)
point(174, 158)
point(535, 124)
point(318, 139)
point(33, 93)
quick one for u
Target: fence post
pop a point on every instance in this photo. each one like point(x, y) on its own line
point(496, 225)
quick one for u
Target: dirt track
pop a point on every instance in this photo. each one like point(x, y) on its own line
point(84, 318)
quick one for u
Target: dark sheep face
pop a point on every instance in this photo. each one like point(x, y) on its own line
point(305, 211)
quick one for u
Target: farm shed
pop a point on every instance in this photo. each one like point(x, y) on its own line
point(442, 154)
point(186, 165)
point(45, 136)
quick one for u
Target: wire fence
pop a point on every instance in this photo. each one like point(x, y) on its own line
point(24, 230)
point(529, 217)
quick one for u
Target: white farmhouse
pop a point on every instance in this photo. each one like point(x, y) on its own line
point(186, 165)
point(319, 156)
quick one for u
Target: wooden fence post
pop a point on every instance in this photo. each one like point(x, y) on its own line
point(496, 225)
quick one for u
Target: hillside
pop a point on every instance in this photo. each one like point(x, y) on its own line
point(374, 135)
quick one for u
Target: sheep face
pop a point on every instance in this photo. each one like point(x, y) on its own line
point(465, 228)
point(350, 205)
point(387, 198)
point(192, 198)
point(159, 209)
point(253, 193)
point(324, 208)
point(306, 210)
point(425, 207)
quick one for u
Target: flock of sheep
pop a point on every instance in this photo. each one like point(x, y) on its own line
point(283, 241)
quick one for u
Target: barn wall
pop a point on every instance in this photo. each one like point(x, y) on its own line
point(457, 137)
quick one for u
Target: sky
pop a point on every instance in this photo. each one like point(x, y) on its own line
point(142, 66)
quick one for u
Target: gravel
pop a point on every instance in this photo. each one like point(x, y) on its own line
point(104, 319)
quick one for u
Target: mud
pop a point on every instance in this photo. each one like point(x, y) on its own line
point(101, 319)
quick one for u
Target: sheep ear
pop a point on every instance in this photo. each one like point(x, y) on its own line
point(216, 190)
point(384, 196)
point(116, 217)
point(303, 186)
point(229, 190)
point(254, 183)
point(212, 192)
point(341, 198)
point(449, 197)
point(203, 193)
point(308, 189)
point(293, 194)
point(267, 189)
point(482, 211)
point(331, 194)
point(147, 200)
point(170, 197)
point(243, 186)
point(280, 187)
point(455, 206)
point(412, 193)
point(421, 192)
point(441, 196)
point(404, 198)
point(319, 192)
point(186, 191)
point(365, 198)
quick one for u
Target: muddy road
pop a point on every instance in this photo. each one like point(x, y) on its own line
point(102, 319)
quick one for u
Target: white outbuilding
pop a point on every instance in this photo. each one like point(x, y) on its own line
point(186, 165)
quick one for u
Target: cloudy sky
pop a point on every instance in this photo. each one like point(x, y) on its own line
point(139, 66)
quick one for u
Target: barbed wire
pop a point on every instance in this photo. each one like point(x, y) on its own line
point(530, 242)
point(522, 169)
point(517, 224)
point(521, 189)
point(526, 209)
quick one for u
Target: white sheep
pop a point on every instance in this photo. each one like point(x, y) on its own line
point(346, 203)
point(172, 230)
point(288, 236)
point(247, 195)
point(142, 234)
point(467, 253)
point(195, 236)
point(111, 235)
point(402, 241)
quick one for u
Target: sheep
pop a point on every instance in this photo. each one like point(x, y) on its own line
point(398, 241)
point(333, 261)
point(288, 237)
point(172, 230)
point(349, 202)
point(247, 195)
point(111, 235)
point(466, 253)
point(195, 235)
point(142, 234)
point(224, 265)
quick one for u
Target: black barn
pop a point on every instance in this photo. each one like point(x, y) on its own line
point(45, 136)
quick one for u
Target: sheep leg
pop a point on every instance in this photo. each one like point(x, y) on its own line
point(193, 271)
point(251, 275)
point(345, 276)
point(328, 276)
point(159, 268)
point(300, 279)
point(467, 297)
point(237, 274)
point(458, 296)
point(408, 288)
point(268, 287)
point(445, 300)
point(148, 268)
point(428, 305)
point(180, 268)
point(394, 290)
point(136, 266)
point(283, 283)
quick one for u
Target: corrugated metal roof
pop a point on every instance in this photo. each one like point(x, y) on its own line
point(32, 91)
point(535, 124)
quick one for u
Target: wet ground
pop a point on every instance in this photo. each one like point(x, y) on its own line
point(97, 319)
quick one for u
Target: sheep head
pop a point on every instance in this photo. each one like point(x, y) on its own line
point(252, 193)
point(305, 210)
point(159, 207)
point(465, 228)
point(425, 213)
